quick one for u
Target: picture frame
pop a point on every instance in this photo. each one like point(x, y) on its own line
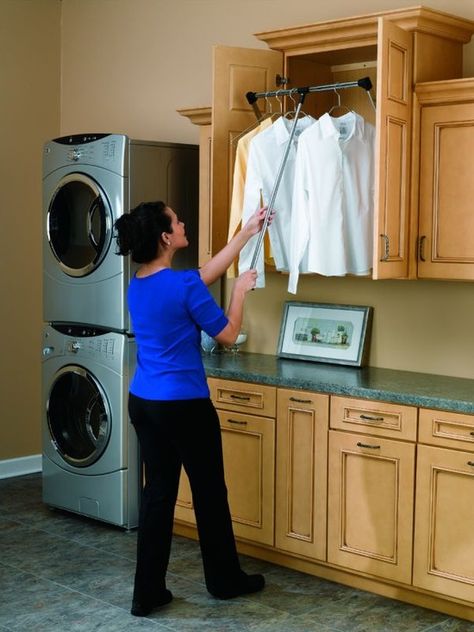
point(325, 332)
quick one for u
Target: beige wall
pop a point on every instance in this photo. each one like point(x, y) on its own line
point(29, 114)
point(125, 66)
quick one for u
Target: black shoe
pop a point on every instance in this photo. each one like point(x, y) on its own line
point(248, 584)
point(142, 609)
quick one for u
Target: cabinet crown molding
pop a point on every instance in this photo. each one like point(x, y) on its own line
point(198, 116)
point(452, 91)
point(362, 30)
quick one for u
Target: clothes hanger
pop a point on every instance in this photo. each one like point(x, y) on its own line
point(339, 105)
point(293, 111)
point(267, 114)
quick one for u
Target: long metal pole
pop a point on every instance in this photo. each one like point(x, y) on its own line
point(276, 186)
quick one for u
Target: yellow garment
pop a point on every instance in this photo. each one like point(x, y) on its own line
point(238, 186)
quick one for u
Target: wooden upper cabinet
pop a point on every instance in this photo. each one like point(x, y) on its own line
point(202, 116)
point(396, 49)
point(446, 186)
point(236, 71)
point(392, 153)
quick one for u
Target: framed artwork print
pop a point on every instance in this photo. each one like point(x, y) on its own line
point(323, 332)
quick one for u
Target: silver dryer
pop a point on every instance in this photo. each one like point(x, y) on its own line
point(89, 180)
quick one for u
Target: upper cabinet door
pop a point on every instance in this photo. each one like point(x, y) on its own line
point(392, 159)
point(446, 220)
point(236, 72)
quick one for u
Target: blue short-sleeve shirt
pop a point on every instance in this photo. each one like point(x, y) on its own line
point(168, 310)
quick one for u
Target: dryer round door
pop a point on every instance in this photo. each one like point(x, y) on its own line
point(79, 224)
point(78, 415)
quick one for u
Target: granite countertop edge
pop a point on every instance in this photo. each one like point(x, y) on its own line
point(390, 385)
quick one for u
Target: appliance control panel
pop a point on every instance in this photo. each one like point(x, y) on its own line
point(84, 341)
point(101, 150)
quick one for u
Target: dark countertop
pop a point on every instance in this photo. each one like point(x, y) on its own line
point(389, 385)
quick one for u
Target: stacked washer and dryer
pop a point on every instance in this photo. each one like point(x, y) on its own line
point(91, 462)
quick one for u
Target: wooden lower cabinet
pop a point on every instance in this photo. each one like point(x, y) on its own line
point(370, 504)
point(301, 473)
point(248, 443)
point(184, 510)
point(444, 508)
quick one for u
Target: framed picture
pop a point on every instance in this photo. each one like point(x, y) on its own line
point(323, 332)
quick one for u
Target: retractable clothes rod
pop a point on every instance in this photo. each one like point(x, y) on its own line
point(252, 97)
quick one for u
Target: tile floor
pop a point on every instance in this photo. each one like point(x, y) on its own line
point(65, 573)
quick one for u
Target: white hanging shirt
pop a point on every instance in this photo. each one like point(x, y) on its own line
point(333, 199)
point(265, 154)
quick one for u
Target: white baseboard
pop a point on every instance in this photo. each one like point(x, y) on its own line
point(20, 466)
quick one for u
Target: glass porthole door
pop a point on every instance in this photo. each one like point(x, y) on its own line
point(78, 415)
point(79, 224)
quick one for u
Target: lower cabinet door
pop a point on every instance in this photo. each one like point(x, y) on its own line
point(249, 461)
point(184, 510)
point(370, 504)
point(301, 473)
point(444, 519)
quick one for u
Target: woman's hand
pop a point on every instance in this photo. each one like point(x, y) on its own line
point(246, 281)
point(255, 223)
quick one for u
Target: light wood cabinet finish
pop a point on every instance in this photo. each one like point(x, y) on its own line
point(243, 397)
point(370, 504)
point(376, 418)
point(446, 187)
point(249, 460)
point(248, 443)
point(301, 473)
point(445, 429)
point(203, 117)
point(396, 49)
point(328, 487)
point(444, 551)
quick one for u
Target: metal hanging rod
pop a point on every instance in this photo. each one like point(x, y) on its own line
point(365, 83)
point(252, 97)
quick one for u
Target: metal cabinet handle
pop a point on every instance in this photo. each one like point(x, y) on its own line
point(245, 398)
point(421, 244)
point(386, 252)
point(300, 401)
point(367, 445)
point(236, 421)
point(370, 418)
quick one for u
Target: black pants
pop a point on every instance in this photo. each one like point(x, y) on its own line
point(171, 434)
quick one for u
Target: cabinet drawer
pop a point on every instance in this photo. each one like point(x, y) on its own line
point(243, 396)
point(376, 418)
point(451, 430)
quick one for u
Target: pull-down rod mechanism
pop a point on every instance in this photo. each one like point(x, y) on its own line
point(252, 98)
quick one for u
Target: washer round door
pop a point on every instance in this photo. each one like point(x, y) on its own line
point(78, 415)
point(79, 224)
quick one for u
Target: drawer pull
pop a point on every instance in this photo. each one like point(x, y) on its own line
point(367, 445)
point(472, 433)
point(235, 421)
point(371, 418)
point(245, 398)
point(300, 401)
point(471, 463)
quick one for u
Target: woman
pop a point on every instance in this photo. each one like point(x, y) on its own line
point(169, 403)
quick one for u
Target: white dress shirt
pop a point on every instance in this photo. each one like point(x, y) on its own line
point(265, 154)
point(333, 199)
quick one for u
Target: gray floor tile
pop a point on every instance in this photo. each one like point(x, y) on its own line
point(61, 572)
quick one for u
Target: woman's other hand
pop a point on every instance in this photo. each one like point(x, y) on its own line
point(246, 281)
point(255, 223)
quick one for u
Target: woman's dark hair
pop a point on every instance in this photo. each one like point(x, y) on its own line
point(138, 232)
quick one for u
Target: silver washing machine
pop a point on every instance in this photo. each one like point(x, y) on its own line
point(89, 180)
point(91, 459)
